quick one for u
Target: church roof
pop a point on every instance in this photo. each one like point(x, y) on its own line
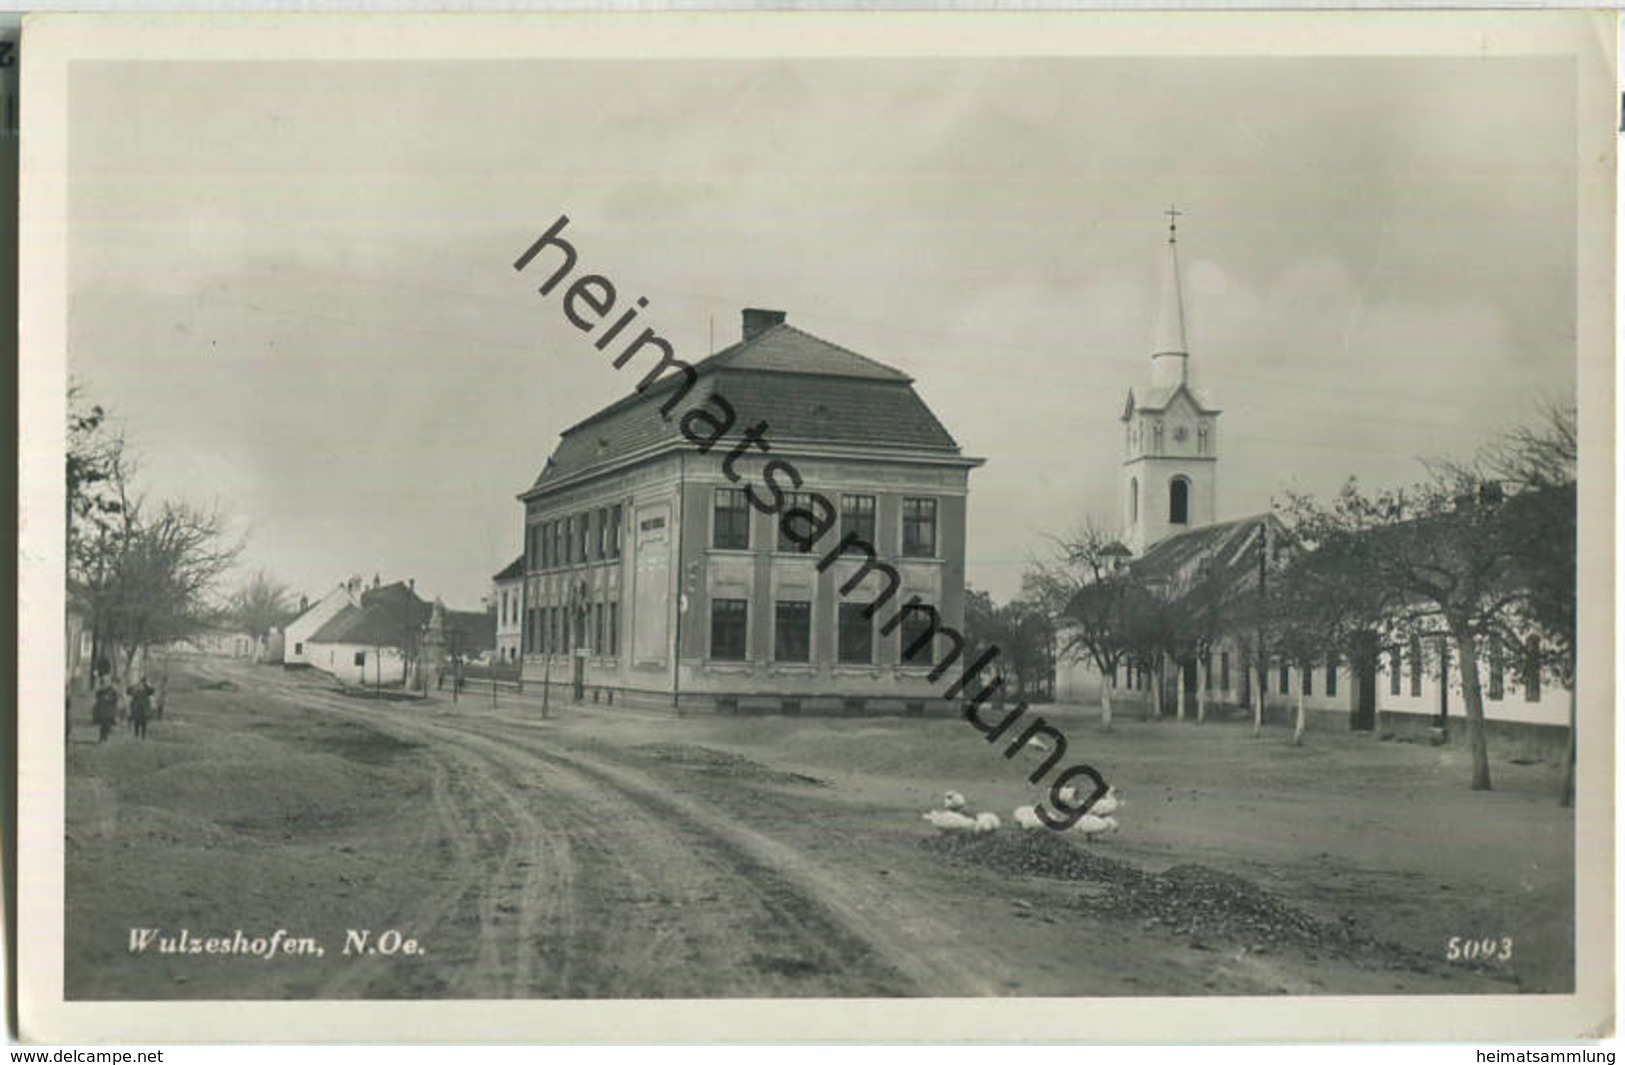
point(1231, 546)
point(1151, 400)
point(807, 389)
point(1170, 335)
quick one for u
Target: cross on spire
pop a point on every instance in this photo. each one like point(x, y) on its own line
point(1173, 214)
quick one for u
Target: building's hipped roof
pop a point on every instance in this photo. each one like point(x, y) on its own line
point(400, 601)
point(805, 388)
point(372, 626)
point(512, 571)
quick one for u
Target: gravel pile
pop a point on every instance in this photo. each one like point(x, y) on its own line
point(1037, 853)
point(1191, 900)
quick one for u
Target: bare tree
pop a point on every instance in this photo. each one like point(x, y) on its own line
point(1435, 557)
point(1093, 601)
point(141, 574)
point(1539, 466)
point(261, 604)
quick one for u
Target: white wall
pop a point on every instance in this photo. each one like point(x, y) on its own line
point(296, 642)
point(339, 659)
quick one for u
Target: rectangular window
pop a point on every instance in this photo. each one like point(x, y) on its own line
point(1224, 671)
point(555, 627)
point(858, 517)
point(615, 531)
point(1308, 678)
point(1396, 670)
point(730, 520)
point(1207, 674)
point(1531, 671)
point(728, 630)
point(584, 531)
point(1416, 667)
point(1331, 674)
point(916, 624)
point(920, 528)
point(361, 658)
point(1286, 680)
point(857, 635)
point(299, 648)
point(1497, 669)
point(561, 541)
point(603, 532)
point(568, 554)
point(792, 631)
point(615, 627)
point(598, 628)
point(795, 501)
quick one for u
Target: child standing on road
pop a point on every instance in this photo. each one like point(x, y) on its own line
point(140, 708)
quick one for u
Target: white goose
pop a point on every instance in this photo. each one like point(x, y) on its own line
point(950, 820)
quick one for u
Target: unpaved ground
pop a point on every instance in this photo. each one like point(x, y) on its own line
point(617, 853)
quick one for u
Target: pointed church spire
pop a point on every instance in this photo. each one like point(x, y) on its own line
point(1168, 351)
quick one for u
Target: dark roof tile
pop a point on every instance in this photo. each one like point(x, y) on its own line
point(837, 397)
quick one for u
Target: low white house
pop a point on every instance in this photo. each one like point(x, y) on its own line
point(296, 636)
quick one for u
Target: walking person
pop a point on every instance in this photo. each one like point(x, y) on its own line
point(105, 710)
point(140, 708)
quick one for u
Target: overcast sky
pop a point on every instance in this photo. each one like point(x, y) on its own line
point(293, 281)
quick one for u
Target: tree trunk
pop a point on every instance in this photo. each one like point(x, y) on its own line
point(1568, 771)
point(1298, 724)
point(1156, 695)
point(1201, 704)
point(1179, 706)
point(1106, 703)
point(1473, 696)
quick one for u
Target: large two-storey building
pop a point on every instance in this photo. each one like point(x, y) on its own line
point(660, 570)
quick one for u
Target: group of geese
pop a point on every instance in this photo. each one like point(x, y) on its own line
point(1097, 822)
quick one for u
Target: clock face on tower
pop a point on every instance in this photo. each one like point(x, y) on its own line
point(1180, 433)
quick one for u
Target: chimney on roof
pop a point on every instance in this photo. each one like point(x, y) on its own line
point(758, 321)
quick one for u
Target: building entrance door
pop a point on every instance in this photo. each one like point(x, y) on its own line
point(1363, 699)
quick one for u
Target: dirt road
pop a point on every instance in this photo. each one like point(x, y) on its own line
point(485, 853)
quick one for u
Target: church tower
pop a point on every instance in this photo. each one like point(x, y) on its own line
point(1170, 434)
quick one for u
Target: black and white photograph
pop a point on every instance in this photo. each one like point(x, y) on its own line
point(835, 522)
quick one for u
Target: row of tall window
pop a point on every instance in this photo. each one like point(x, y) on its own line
point(562, 629)
point(792, 633)
point(1495, 654)
point(1403, 666)
point(590, 536)
point(730, 525)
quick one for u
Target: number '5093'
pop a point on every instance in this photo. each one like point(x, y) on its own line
point(1479, 949)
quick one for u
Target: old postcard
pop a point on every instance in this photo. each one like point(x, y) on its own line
point(814, 527)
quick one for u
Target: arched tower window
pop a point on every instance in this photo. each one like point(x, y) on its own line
point(1179, 501)
point(1133, 499)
